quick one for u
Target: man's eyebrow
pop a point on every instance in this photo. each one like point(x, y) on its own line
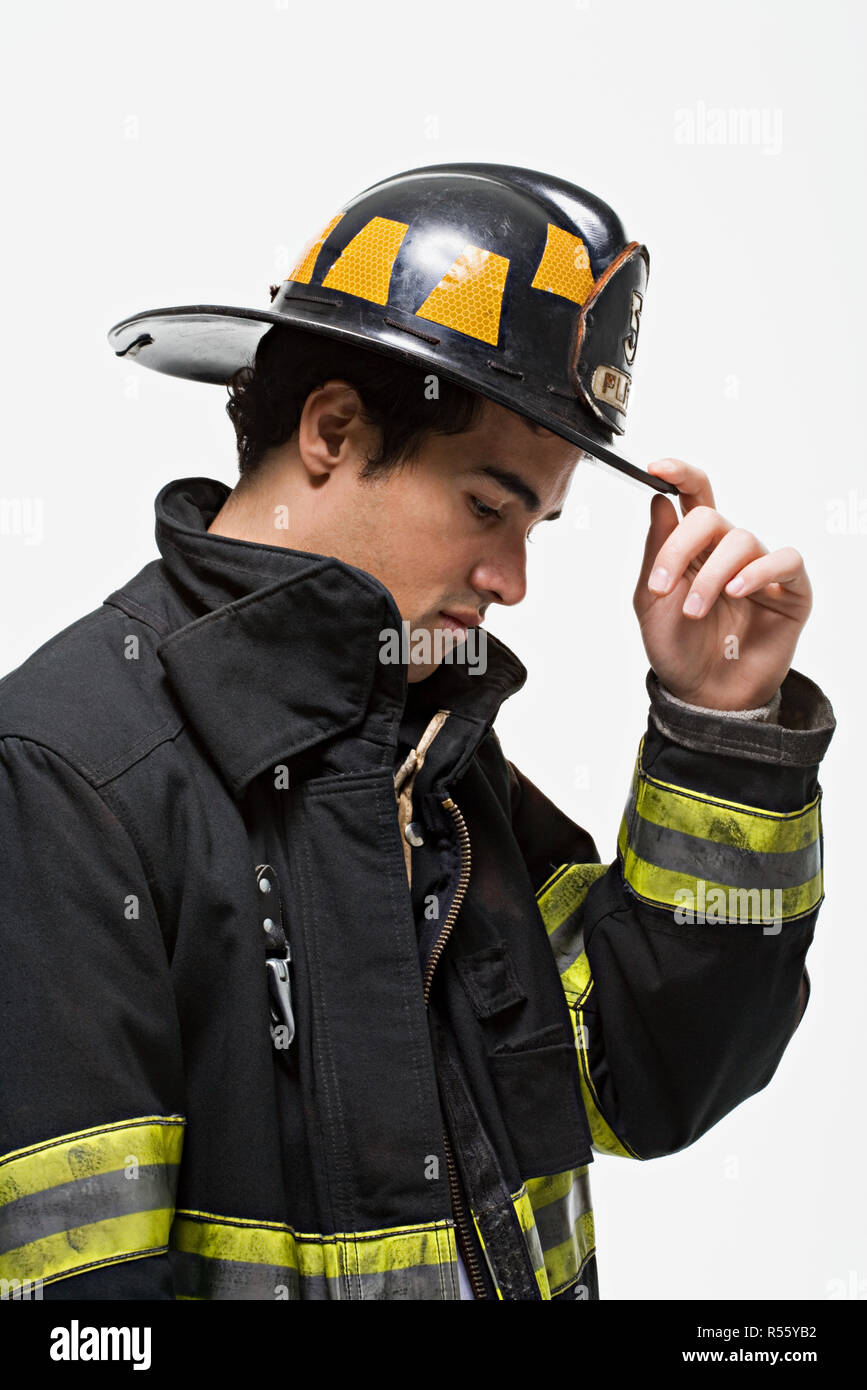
point(514, 483)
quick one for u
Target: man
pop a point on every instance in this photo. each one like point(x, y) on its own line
point(310, 993)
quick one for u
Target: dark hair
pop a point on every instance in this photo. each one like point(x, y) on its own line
point(266, 399)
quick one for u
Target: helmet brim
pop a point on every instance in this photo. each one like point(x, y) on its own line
point(210, 342)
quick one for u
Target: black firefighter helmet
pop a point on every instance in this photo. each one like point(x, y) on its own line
point(510, 282)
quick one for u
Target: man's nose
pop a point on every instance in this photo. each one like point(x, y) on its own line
point(502, 574)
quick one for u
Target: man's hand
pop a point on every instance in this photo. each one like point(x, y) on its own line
point(721, 627)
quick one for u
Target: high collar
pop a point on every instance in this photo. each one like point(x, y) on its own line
point(278, 649)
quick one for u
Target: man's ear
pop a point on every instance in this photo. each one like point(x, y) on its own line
point(331, 427)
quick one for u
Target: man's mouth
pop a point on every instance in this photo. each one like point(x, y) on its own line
point(459, 623)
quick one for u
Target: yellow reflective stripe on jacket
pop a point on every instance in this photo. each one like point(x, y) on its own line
point(91, 1198)
point(602, 1135)
point(561, 903)
point(217, 1257)
point(556, 1221)
point(715, 860)
point(563, 1216)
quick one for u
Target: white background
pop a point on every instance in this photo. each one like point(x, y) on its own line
point(183, 152)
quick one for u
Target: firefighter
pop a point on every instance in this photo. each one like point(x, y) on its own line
point(310, 992)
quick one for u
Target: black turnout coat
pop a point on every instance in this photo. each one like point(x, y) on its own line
point(257, 1043)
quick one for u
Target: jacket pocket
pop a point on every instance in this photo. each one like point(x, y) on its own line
point(538, 1089)
point(489, 980)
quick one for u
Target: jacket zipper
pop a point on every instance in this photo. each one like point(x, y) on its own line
point(439, 944)
point(462, 1224)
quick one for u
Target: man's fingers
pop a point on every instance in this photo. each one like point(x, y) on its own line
point(784, 568)
point(663, 520)
point(727, 559)
point(700, 529)
point(692, 484)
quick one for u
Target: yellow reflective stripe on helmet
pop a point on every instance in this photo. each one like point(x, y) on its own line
point(224, 1257)
point(469, 296)
point(90, 1198)
point(303, 269)
point(364, 266)
point(565, 266)
point(716, 860)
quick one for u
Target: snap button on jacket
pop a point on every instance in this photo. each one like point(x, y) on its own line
point(310, 993)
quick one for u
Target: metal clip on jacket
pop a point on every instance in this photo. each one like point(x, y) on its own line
point(278, 958)
point(281, 995)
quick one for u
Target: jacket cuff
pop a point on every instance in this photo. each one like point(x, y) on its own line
point(765, 714)
point(800, 738)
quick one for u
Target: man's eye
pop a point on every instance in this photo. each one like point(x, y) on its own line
point(486, 510)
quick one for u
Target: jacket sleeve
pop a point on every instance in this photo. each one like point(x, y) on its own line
point(683, 959)
point(91, 1085)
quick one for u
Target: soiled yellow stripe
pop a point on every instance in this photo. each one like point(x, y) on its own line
point(623, 837)
point(576, 979)
point(524, 1210)
point(577, 982)
point(102, 1149)
point(724, 822)
point(603, 1136)
point(100, 1242)
point(543, 1191)
point(330, 1255)
point(558, 901)
point(660, 886)
point(550, 880)
point(563, 1262)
